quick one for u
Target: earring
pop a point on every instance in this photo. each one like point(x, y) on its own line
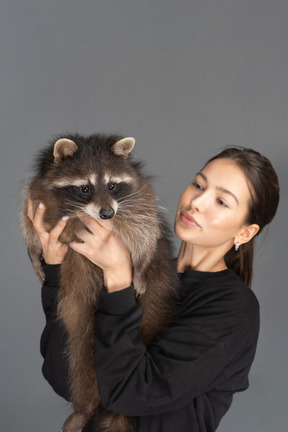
point(237, 245)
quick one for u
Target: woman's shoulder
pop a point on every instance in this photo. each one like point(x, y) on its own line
point(240, 295)
point(218, 301)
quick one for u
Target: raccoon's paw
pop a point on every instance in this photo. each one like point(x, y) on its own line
point(75, 422)
point(69, 430)
point(113, 422)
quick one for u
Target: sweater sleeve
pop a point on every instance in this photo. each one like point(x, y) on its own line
point(53, 339)
point(136, 380)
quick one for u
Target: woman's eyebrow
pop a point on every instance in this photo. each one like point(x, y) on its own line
point(219, 188)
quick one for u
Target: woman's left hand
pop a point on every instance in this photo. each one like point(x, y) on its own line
point(104, 247)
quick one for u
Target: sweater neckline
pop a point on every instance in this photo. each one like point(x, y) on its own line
point(203, 275)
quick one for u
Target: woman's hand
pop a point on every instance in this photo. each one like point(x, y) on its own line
point(53, 250)
point(103, 247)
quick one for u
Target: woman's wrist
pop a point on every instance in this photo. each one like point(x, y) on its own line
point(117, 279)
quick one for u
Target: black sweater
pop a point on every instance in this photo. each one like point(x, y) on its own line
point(185, 379)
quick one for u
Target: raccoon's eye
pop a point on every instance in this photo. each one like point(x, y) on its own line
point(111, 186)
point(85, 189)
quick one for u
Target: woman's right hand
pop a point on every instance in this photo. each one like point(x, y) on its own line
point(53, 250)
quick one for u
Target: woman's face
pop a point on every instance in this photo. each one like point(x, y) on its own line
point(213, 209)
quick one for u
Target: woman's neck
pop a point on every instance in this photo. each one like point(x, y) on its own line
point(191, 257)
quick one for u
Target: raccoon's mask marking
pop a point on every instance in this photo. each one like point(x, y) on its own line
point(66, 147)
point(107, 179)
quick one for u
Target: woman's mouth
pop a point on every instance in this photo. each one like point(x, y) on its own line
point(188, 220)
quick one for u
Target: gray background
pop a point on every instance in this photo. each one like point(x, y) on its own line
point(185, 78)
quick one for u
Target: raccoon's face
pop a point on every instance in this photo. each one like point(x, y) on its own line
point(99, 196)
point(94, 179)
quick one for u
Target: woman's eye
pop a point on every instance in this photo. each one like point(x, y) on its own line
point(221, 202)
point(197, 185)
point(85, 189)
point(111, 186)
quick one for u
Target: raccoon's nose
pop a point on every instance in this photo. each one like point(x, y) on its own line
point(106, 213)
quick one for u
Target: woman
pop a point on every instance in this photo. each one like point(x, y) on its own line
point(185, 379)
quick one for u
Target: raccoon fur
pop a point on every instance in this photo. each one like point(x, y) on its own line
point(95, 175)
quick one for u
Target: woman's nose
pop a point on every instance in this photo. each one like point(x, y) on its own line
point(200, 202)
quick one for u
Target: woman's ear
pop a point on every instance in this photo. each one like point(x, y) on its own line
point(247, 233)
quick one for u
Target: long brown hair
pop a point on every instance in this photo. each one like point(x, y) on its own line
point(264, 190)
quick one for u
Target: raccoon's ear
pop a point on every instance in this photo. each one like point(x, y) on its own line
point(123, 147)
point(62, 148)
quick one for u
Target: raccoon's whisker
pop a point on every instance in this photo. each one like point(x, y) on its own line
point(143, 219)
point(132, 208)
point(131, 213)
point(131, 195)
point(75, 204)
point(136, 204)
point(164, 209)
point(140, 219)
point(70, 212)
point(137, 208)
point(132, 200)
point(75, 207)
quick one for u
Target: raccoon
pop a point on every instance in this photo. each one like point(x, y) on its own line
point(96, 175)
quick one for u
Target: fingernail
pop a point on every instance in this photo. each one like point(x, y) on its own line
point(65, 218)
point(41, 205)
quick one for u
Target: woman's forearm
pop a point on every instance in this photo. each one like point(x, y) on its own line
point(54, 337)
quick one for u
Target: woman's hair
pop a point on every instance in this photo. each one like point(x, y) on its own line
point(264, 190)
